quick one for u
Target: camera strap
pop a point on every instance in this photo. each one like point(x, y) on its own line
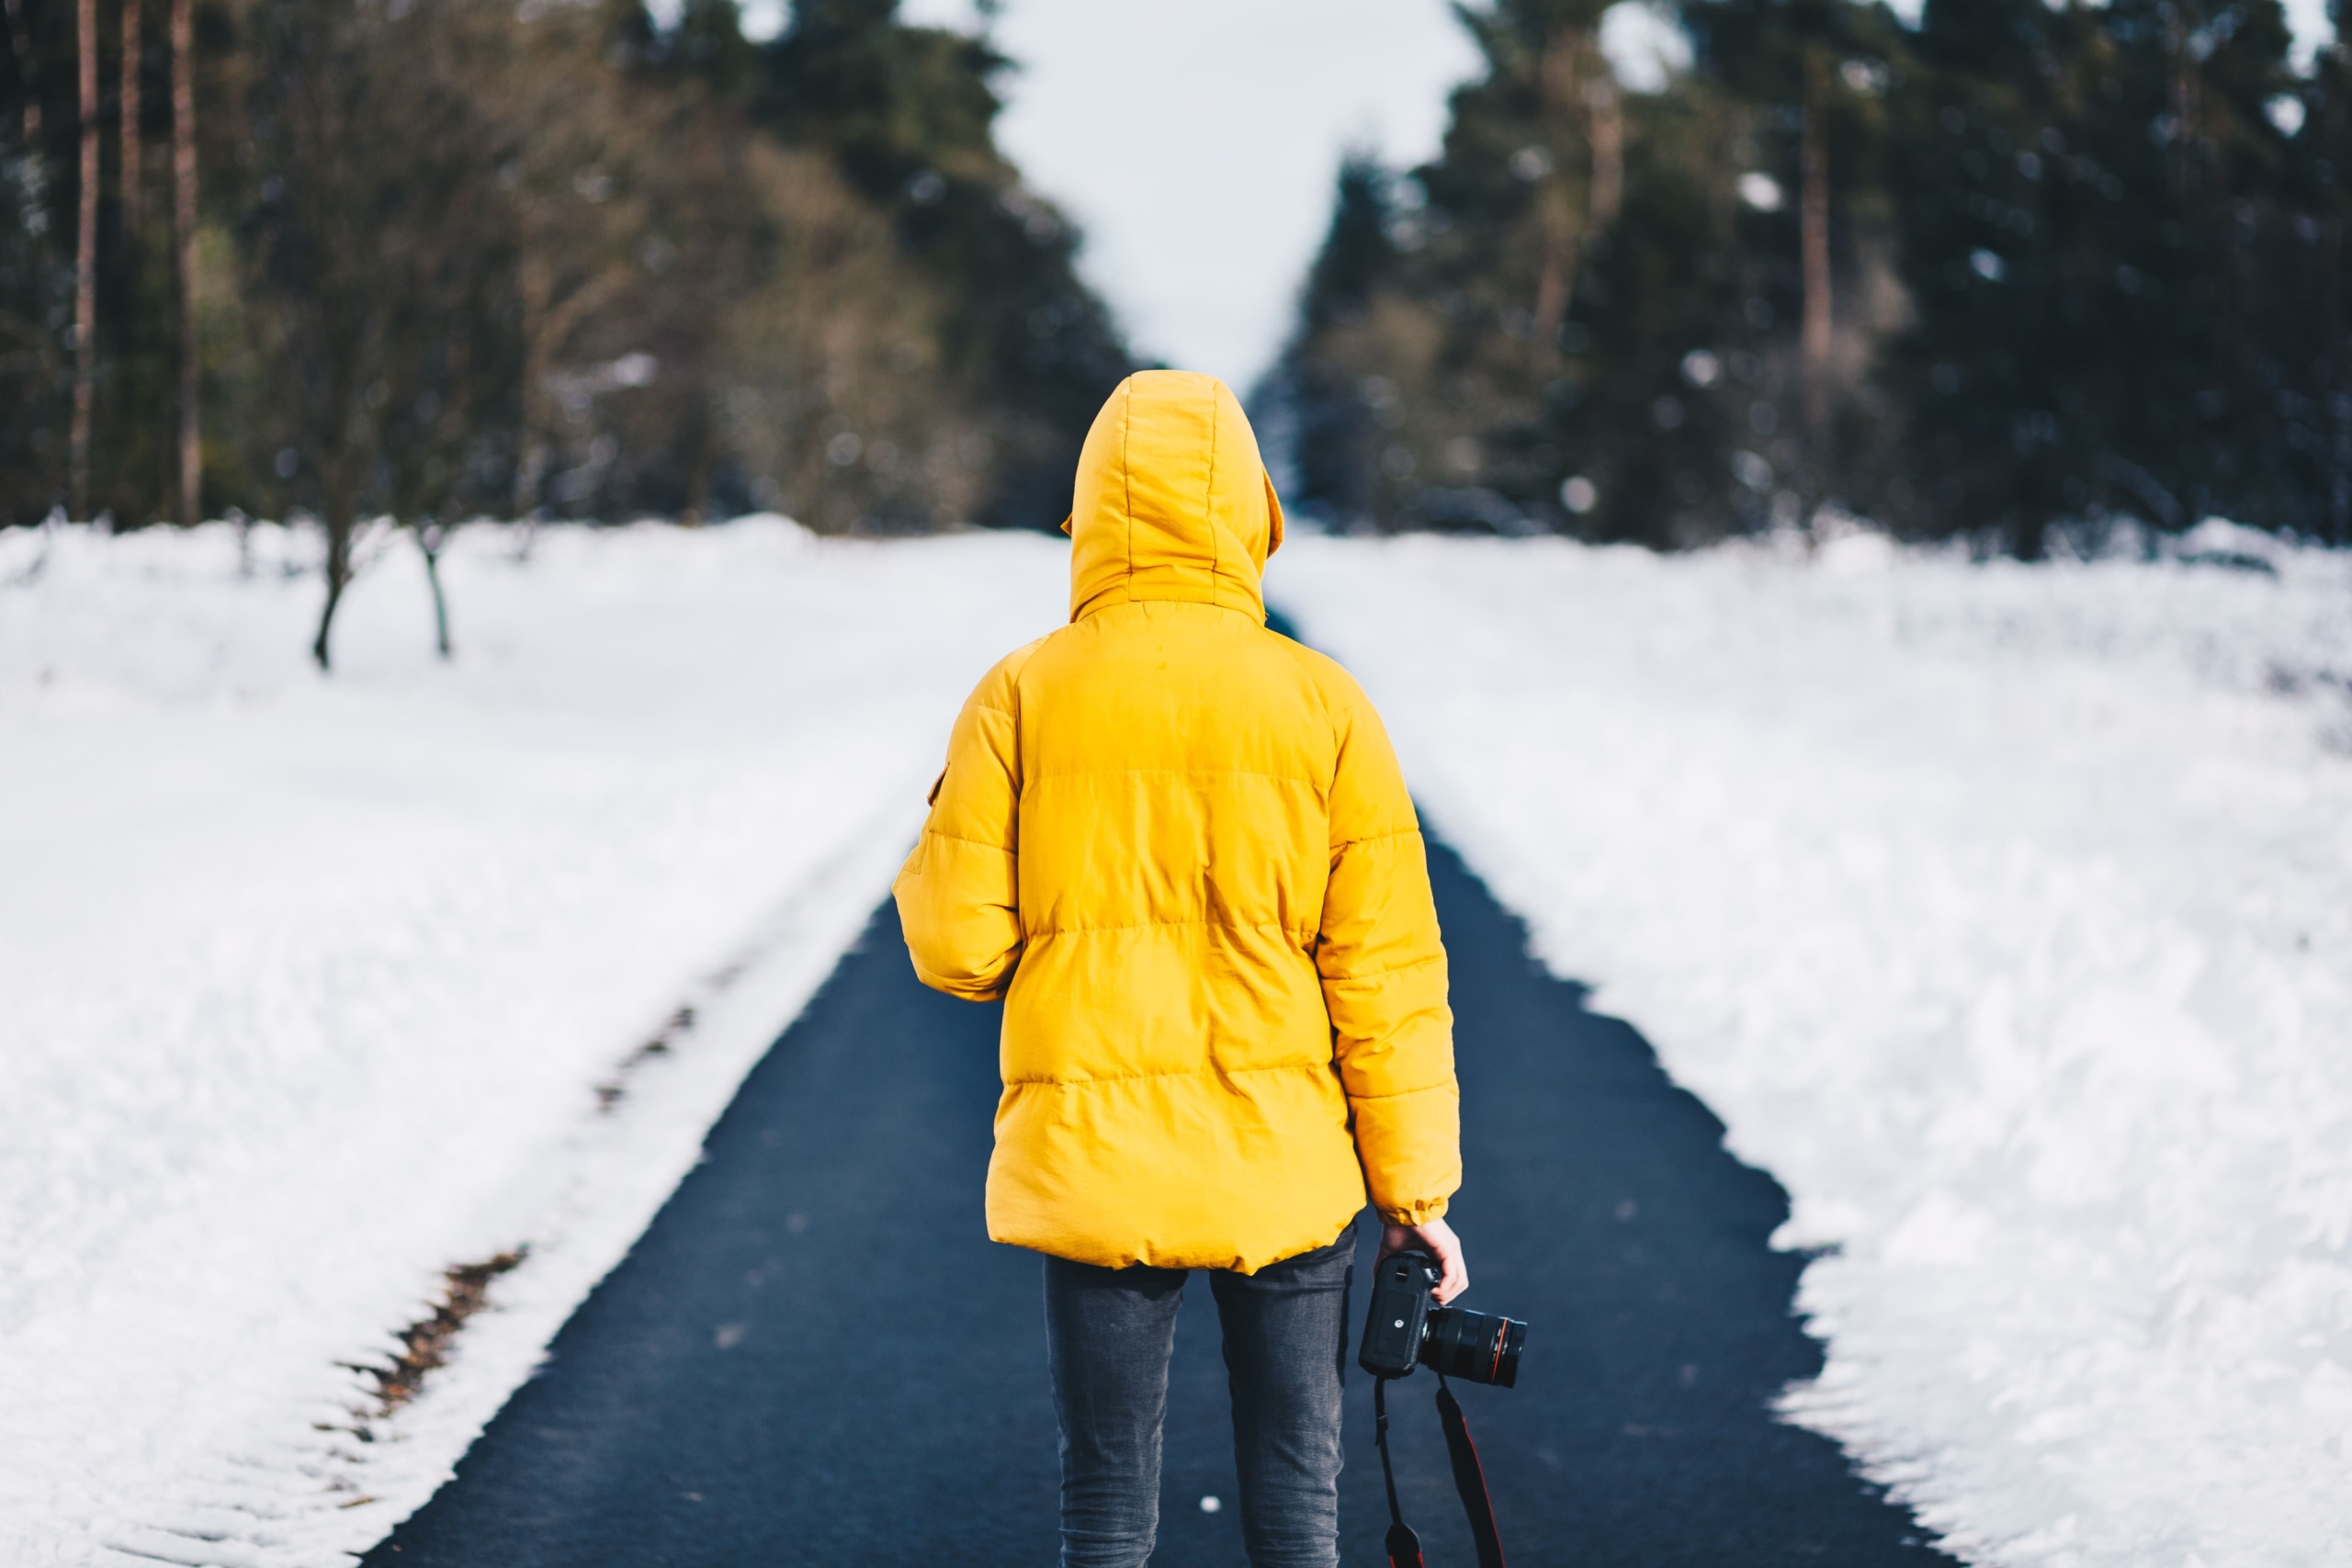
point(1402, 1547)
point(1469, 1477)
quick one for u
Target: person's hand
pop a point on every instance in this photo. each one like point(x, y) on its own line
point(1439, 1239)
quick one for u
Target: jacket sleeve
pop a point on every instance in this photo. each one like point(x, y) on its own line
point(1383, 967)
point(959, 894)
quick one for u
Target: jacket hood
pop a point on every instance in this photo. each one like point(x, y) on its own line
point(1172, 500)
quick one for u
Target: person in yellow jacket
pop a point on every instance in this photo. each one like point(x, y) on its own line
point(1179, 846)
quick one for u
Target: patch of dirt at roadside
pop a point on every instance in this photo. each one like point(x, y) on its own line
point(424, 1345)
point(610, 1093)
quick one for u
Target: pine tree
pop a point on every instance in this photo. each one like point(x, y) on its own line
point(36, 265)
point(2028, 269)
point(1335, 420)
point(2314, 427)
point(86, 256)
point(2092, 238)
point(190, 450)
point(1809, 73)
point(1544, 337)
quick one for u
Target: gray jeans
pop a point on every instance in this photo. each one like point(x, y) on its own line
point(1109, 1332)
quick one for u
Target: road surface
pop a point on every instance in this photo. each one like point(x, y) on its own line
point(816, 1355)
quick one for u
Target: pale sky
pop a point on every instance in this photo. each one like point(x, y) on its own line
point(1196, 144)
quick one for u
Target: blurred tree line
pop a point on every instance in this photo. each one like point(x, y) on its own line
point(2021, 271)
point(429, 259)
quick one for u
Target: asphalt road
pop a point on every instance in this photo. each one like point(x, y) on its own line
point(816, 1355)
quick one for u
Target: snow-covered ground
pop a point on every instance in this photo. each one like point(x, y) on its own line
point(2005, 915)
point(308, 987)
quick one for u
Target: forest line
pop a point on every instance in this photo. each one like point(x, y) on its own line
point(448, 258)
point(2025, 272)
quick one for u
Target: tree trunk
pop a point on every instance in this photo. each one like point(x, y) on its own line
point(2332, 291)
point(1813, 208)
point(429, 539)
point(184, 250)
point(127, 108)
point(1607, 136)
point(701, 456)
point(531, 465)
point(1556, 276)
point(548, 325)
point(85, 262)
point(2181, 158)
point(338, 527)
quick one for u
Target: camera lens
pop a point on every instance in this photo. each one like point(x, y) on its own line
point(1474, 1347)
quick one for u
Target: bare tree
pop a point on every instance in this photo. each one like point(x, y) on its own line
point(329, 213)
point(86, 262)
point(576, 212)
point(191, 453)
point(556, 298)
point(381, 259)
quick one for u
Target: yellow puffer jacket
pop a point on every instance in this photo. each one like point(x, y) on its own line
point(1185, 840)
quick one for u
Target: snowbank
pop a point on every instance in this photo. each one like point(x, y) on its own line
point(2005, 914)
point(311, 986)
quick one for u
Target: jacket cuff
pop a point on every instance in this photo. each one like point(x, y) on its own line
point(963, 990)
point(1419, 1213)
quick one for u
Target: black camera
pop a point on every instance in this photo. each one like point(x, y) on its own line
point(1404, 1327)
